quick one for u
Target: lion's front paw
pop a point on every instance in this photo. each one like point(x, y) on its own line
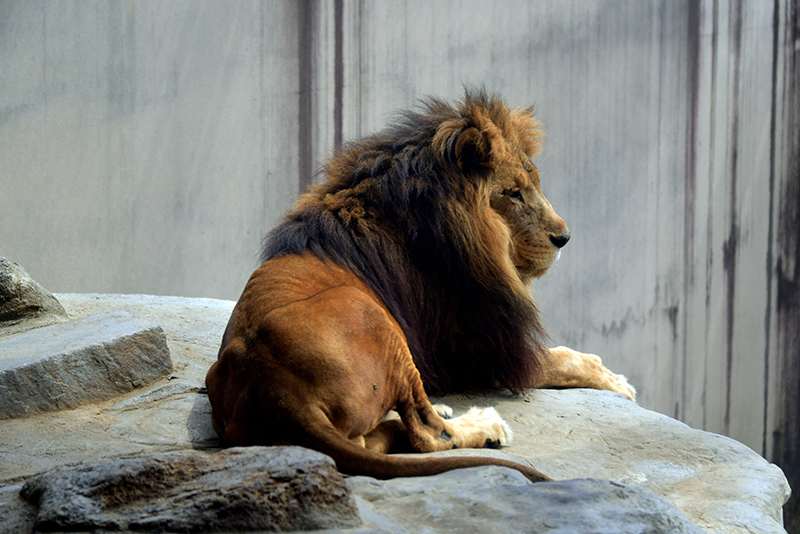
point(621, 385)
point(570, 368)
point(479, 427)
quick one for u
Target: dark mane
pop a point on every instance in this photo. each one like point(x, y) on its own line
point(386, 213)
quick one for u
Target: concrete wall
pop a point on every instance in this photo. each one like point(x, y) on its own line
point(147, 146)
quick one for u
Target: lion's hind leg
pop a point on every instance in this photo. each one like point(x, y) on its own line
point(431, 428)
point(391, 435)
point(478, 428)
point(388, 436)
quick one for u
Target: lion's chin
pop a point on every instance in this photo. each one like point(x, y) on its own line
point(530, 270)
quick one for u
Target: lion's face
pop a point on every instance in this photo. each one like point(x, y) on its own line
point(522, 232)
point(537, 232)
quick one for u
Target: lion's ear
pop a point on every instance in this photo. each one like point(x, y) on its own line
point(470, 146)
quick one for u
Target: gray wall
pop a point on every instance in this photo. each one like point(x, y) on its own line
point(146, 147)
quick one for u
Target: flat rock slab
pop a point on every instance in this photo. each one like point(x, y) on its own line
point(498, 499)
point(238, 490)
point(79, 362)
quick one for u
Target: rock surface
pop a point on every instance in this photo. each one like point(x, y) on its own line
point(293, 489)
point(497, 499)
point(79, 362)
point(25, 304)
point(718, 483)
point(237, 490)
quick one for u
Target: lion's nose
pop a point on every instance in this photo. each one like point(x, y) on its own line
point(560, 240)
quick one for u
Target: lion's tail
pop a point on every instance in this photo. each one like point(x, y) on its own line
point(353, 459)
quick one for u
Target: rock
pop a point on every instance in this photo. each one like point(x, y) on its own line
point(719, 483)
point(716, 482)
point(294, 489)
point(497, 499)
point(24, 304)
point(79, 362)
point(17, 515)
point(237, 490)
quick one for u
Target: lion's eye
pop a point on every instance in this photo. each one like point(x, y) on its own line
point(516, 195)
point(527, 167)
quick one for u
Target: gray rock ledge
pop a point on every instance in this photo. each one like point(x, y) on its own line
point(237, 490)
point(79, 362)
point(291, 489)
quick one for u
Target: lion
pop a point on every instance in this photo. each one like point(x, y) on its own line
point(406, 273)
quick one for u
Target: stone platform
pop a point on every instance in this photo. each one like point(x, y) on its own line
point(717, 483)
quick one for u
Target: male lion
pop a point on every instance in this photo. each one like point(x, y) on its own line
point(406, 271)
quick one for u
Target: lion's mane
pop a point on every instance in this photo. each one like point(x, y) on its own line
point(405, 211)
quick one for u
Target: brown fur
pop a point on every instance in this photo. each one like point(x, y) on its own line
point(410, 265)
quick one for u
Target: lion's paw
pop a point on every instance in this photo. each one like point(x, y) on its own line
point(606, 379)
point(620, 384)
point(570, 368)
point(479, 427)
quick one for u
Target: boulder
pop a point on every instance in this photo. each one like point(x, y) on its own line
point(498, 499)
point(276, 489)
point(79, 362)
point(715, 482)
point(24, 304)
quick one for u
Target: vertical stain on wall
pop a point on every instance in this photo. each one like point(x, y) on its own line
point(708, 238)
point(786, 446)
point(770, 228)
point(338, 72)
point(305, 48)
point(730, 248)
point(693, 87)
point(690, 195)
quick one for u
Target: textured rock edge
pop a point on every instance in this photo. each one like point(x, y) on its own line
point(70, 372)
point(236, 490)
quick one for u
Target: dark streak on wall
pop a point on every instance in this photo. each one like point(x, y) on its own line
point(709, 252)
point(730, 248)
point(690, 200)
point(693, 86)
point(338, 72)
point(771, 227)
point(786, 446)
point(306, 37)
